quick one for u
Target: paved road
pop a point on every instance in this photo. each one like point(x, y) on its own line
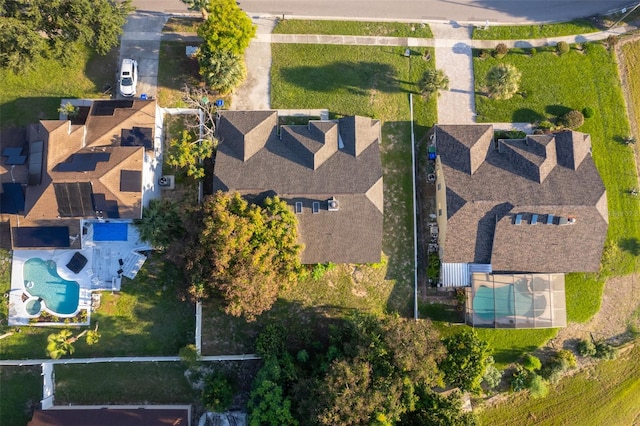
point(459, 10)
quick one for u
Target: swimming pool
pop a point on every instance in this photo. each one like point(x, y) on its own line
point(110, 231)
point(43, 282)
point(493, 303)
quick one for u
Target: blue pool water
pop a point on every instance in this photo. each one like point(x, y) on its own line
point(42, 280)
point(110, 231)
point(489, 303)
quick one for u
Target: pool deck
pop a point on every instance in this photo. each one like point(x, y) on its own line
point(107, 263)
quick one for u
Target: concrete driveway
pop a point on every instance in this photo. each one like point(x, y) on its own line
point(141, 41)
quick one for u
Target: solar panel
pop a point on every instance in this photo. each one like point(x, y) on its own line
point(74, 199)
point(102, 108)
point(130, 181)
point(298, 207)
point(12, 198)
point(518, 219)
point(316, 207)
point(549, 219)
point(534, 219)
point(138, 136)
point(42, 236)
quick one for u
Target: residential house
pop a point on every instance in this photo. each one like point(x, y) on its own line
point(532, 205)
point(328, 172)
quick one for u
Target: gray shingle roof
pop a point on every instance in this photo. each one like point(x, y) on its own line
point(310, 164)
point(540, 175)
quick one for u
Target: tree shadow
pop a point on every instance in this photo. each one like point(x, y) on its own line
point(506, 356)
point(630, 245)
point(557, 110)
point(357, 78)
point(526, 115)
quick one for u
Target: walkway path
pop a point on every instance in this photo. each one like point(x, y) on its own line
point(21, 362)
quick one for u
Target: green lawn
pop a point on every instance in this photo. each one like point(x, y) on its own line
point(605, 394)
point(525, 32)
point(36, 94)
point(175, 70)
point(146, 318)
point(388, 29)
point(552, 85)
point(20, 392)
point(123, 383)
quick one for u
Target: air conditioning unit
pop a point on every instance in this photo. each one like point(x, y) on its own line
point(166, 182)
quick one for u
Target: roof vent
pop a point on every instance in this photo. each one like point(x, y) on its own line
point(332, 205)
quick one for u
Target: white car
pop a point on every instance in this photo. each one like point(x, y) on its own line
point(128, 77)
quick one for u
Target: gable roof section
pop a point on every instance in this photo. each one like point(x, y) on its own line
point(108, 118)
point(542, 174)
point(307, 165)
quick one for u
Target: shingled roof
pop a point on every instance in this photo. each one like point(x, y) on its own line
point(310, 165)
point(91, 167)
point(541, 175)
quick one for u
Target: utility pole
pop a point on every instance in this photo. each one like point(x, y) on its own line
point(625, 15)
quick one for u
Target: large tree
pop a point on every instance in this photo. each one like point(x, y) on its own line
point(227, 28)
point(243, 252)
point(437, 410)
point(466, 360)
point(382, 361)
point(60, 25)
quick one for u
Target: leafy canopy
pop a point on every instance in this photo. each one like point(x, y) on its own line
point(466, 359)
point(31, 28)
point(227, 28)
point(243, 252)
point(187, 153)
point(161, 223)
point(432, 81)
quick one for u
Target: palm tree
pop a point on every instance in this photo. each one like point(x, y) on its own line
point(432, 81)
point(160, 223)
point(222, 70)
point(60, 344)
point(503, 81)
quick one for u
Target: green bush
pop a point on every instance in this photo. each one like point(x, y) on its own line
point(537, 386)
point(189, 356)
point(572, 120)
point(492, 375)
point(605, 351)
point(519, 379)
point(482, 54)
point(533, 51)
point(218, 392)
point(612, 40)
point(587, 112)
point(319, 269)
point(586, 348)
point(501, 51)
point(509, 134)
point(562, 47)
point(562, 361)
point(545, 125)
point(531, 363)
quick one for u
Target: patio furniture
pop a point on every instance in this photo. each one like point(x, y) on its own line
point(77, 263)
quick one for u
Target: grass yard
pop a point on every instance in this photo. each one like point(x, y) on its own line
point(553, 85)
point(605, 394)
point(122, 383)
point(175, 70)
point(182, 24)
point(525, 32)
point(388, 29)
point(21, 392)
point(146, 318)
point(35, 95)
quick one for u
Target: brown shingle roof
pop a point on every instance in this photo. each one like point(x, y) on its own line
point(535, 176)
point(307, 166)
